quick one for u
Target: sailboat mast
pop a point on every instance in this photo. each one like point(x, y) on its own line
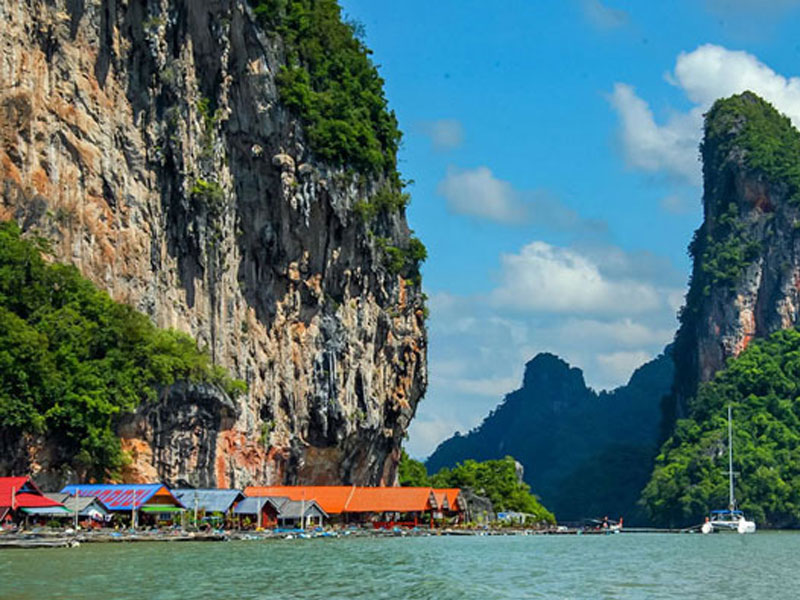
point(732, 502)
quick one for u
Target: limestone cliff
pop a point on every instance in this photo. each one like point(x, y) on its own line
point(746, 275)
point(147, 140)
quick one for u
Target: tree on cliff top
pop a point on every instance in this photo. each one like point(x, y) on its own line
point(72, 360)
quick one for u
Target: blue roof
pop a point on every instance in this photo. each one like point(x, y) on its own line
point(726, 512)
point(118, 496)
point(208, 500)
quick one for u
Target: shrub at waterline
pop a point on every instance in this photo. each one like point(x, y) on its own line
point(72, 360)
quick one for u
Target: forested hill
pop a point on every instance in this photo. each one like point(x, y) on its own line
point(763, 386)
point(585, 454)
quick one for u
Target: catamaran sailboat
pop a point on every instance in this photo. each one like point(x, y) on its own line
point(730, 519)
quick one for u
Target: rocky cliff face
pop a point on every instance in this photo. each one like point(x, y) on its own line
point(585, 454)
point(148, 142)
point(746, 274)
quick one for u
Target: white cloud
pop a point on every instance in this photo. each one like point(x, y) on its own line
point(479, 346)
point(651, 147)
point(704, 75)
point(545, 278)
point(426, 433)
point(625, 333)
point(478, 193)
point(602, 16)
point(713, 72)
point(445, 134)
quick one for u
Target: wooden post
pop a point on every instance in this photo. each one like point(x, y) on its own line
point(75, 509)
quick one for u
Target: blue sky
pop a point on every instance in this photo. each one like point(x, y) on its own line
point(553, 145)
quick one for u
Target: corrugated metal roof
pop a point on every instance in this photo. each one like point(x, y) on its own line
point(87, 505)
point(250, 506)
point(120, 496)
point(26, 494)
point(333, 499)
point(208, 500)
point(336, 499)
point(392, 499)
point(294, 509)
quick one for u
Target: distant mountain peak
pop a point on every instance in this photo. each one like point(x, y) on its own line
point(547, 369)
point(561, 431)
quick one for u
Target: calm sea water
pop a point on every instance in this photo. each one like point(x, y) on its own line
point(763, 566)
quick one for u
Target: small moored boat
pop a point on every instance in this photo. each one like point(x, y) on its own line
point(729, 519)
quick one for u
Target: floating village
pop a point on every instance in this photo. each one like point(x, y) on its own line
point(81, 513)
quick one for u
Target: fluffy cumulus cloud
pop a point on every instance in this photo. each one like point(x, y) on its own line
point(670, 147)
point(445, 134)
point(710, 72)
point(479, 193)
point(546, 278)
point(602, 16)
point(601, 308)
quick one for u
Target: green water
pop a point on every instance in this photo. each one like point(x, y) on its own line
point(763, 566)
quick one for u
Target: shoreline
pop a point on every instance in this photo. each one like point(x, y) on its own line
point(56, 539)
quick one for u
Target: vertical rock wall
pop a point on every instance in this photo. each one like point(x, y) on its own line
point(147, 141)
point(746, 275)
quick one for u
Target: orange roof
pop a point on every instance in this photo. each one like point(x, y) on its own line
point(455, 500)
point(441, 500)
point(332, 498)
point(335, 499)
point(391, 499)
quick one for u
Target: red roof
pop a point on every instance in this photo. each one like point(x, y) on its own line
point(337, 499)
point(26, 494)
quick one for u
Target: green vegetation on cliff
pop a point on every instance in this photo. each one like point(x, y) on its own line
point(72, 360)
point(336, 91)
point(332, 85)
point(746, 143)
point(495, 479)
point(763, 387)
point(747, 124)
